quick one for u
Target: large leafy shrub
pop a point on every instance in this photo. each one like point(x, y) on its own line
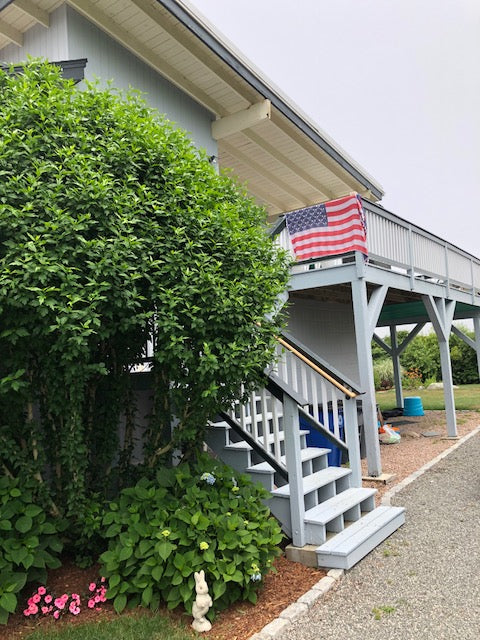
point(29, 542)
point(192, 517)
point(115, 229)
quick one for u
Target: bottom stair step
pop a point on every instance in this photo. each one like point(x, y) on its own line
point(352, 544)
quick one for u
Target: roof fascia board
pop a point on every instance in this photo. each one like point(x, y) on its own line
point(188, 20)
point(5, 3)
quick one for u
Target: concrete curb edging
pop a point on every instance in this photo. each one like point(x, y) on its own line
point(386, 500)
point(297, 609)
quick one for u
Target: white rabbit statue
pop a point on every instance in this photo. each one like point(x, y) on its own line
point(202, 604)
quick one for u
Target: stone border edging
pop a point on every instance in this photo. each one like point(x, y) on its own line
point(386, 500)
point(297, 609)
point(294, 611)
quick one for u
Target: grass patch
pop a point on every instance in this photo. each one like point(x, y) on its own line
point(132, 627)
point(378, 612)
point(467, 398)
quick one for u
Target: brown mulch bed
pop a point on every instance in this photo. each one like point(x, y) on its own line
point(239, 622)
point(292, 580)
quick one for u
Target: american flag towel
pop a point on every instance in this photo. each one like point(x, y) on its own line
point(328, 229)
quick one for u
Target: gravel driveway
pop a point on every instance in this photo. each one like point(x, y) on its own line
point(424, 581)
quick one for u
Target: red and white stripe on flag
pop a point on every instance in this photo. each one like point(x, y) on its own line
point(328, 229)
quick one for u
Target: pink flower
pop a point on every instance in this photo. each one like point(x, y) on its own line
point(102, 579)
point(48, 598)
point(33, 609)
point(45, 610)
point(59, 603)
point(92, 586)
point(26, 612)
point(36, 598)
point(91, 603)
point(64, 597)
point(56, 615)
point(76, 611)
point(42, 591)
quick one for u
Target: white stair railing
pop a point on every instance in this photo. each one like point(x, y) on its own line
point(330, 402)
point(260, 417)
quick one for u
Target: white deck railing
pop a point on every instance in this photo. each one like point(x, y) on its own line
point(395, 243)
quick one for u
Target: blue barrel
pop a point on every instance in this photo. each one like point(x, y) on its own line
point(413, 406)
point(316, 439)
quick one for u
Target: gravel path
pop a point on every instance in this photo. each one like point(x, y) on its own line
point(424, 581)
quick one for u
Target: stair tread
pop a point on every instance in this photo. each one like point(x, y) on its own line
point(314, 481)
point(333, 507)
point(241, 444)
point(353, 536)
point(306, 454)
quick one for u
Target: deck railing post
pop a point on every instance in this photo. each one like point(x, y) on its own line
point(291, 429)
point(352, 438)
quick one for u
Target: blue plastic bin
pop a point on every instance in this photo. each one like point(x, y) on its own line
point(316, 439)
point(413, 406)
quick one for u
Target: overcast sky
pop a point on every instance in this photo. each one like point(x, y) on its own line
point(395, 82)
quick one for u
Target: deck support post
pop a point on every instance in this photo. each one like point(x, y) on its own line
point(352, 439)
point(366, 313)
point(476, 327)
point(397, 371)
point(440, 312)
point(291, 426)
point(394, 352)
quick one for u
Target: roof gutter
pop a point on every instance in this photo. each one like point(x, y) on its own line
point(199, 30)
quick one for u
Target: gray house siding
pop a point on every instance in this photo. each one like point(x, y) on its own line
point(327, 328)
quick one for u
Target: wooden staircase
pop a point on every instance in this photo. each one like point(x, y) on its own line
point(316, 504)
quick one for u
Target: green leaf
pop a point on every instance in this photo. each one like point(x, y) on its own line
point(18, 555)
point(157, 572)
point(120, 602)
point(125, 553)
point(147, 596)
point(3, 616)
point(8, 601)
point(219, 589)
point(33, 510)
point(24, 524)
point(113, 530)
point(164, 549)
point(114, 580)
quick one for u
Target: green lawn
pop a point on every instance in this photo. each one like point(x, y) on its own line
point(467, 397)
point(135, 627)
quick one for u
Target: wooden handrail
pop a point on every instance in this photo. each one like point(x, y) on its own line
point(319, 370)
